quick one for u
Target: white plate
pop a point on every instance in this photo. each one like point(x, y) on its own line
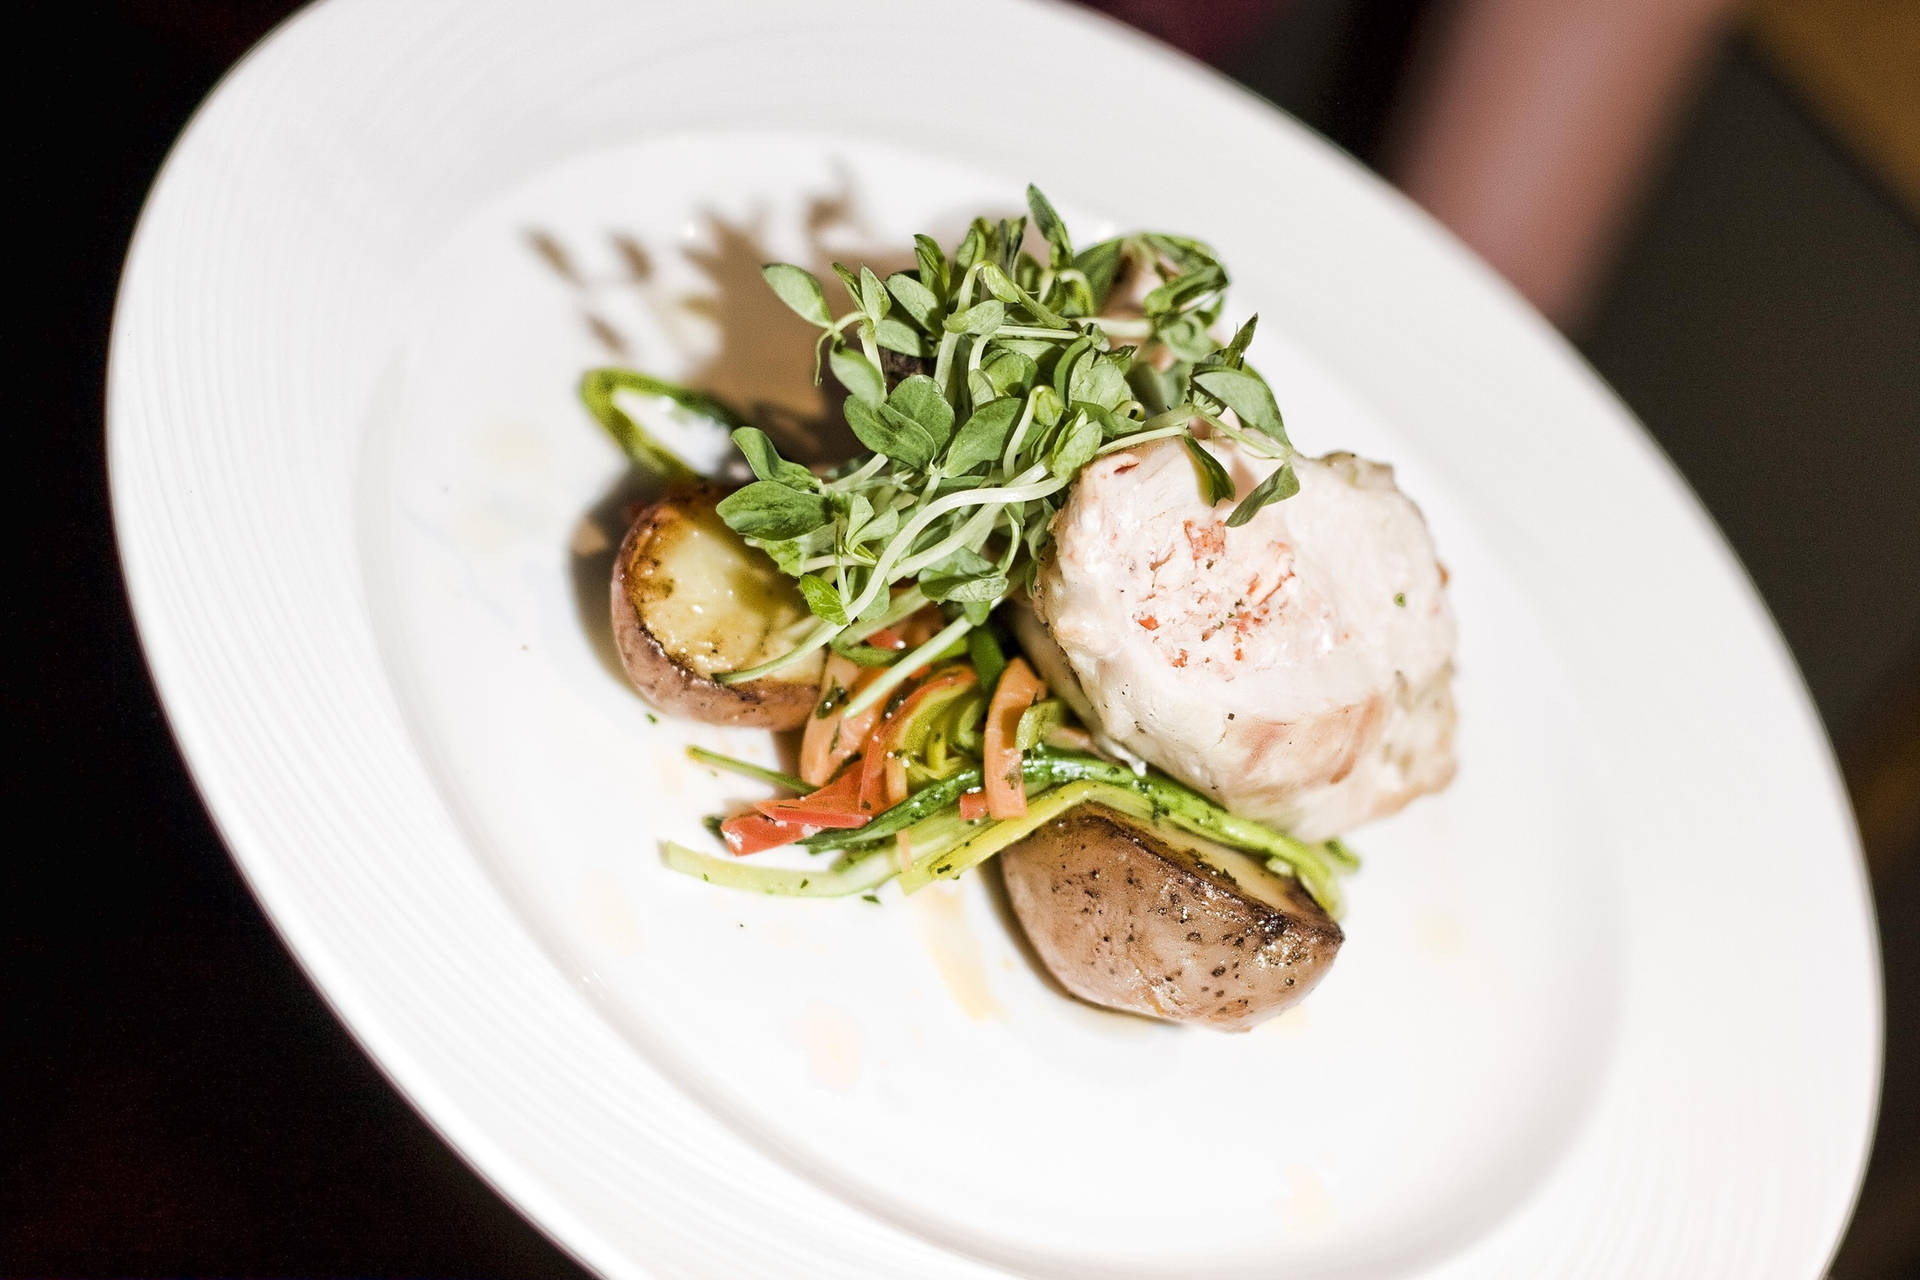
point(1608, 1007)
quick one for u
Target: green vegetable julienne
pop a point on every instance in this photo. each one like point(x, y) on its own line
point(1048, 775)
point(746, 769)
point(851, 875)
point(980, 383)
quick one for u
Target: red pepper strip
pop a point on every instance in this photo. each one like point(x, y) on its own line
point(920, 625)
point(755, 832)
point(915, 629)
point(973, 804)
point(920, 628)
point(1018, 689)
point(873, 763)
point(836, 805)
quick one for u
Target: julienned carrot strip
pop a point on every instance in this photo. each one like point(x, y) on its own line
point(973, 804)
point(1018, 689)
point(831, 739)
point(817, 738)
point(855, 730)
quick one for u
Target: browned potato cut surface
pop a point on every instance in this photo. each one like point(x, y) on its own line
point(1132, 918)
point(692, 600)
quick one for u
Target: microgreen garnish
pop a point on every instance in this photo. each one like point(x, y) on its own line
point(1007, 373)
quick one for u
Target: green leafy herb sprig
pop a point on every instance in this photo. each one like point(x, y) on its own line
point(981, 382)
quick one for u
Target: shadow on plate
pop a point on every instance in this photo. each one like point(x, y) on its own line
point(760, 366)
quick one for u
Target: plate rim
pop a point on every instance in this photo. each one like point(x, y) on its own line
point(318, 958)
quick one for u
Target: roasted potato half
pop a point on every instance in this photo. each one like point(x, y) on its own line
point(1151, 921)
point(692, 600)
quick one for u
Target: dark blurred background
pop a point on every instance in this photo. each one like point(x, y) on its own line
point(1717, 202)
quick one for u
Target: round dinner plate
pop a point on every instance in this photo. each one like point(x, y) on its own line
point(1609, 1006)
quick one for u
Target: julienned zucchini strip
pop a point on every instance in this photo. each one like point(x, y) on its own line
point(856, 873)
point(944, 846)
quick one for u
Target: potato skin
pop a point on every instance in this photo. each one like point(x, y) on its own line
point(1126, 920)
point(661, 678)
